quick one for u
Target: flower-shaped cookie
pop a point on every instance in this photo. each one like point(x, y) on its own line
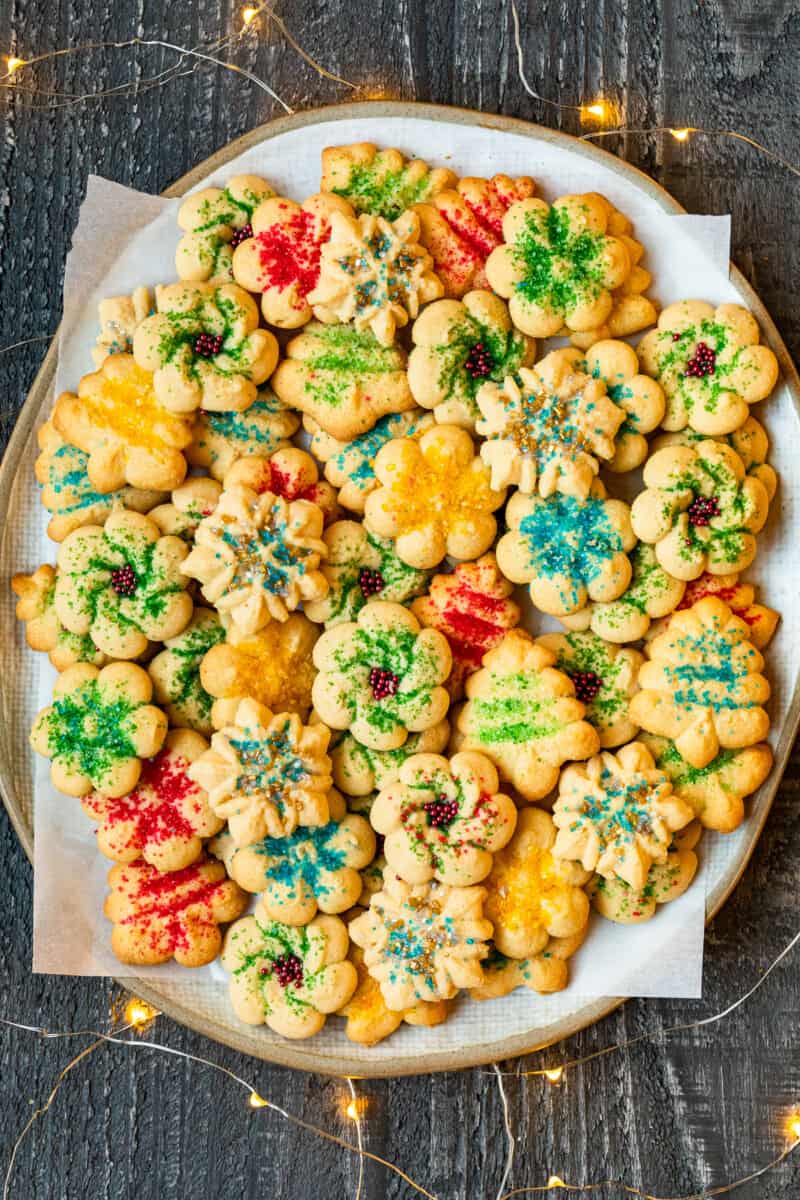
point(360, 567)
point(631, 311)
point(257, 556)
point(434, 498)
point(43, 630)
point(99, 727)
point(750, 442)
point(350, 466)
point(443, 819)
point(568, 550)
point(266, 773)
point(651, 594)
point(67, 492)
point(532, 897)
point(703, 685)
point(640, 397)
point(543, 973)
point(374, 273)
point(288, 977)
point(548, 428)
point(216, 221)
point(473, 609)
point(717, 791)
point(423, 941)
point(118, 317)
point(175, 672)
point(129, 435)
point(604, 676)
point(221, 439)
point(740, 598)
point(616, 814)
point(458, 346)
point(522, 714)
point(188, 504)
point(360, 771)
point(559, 264)
point(272, 666)
point(311, 869)
point(461, 226)
point(164, 819)
point(381, 676)
point(282, 258)
point(174, 915)
point(618, 901)
point(700, 510)
point(382, 182)
point(204, 348)
point(121, 583)
point(710, 364)
point(369, 1021)
point(290, 473)
point(342, 378)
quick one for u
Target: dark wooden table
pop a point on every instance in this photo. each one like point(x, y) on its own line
point(694, 1112)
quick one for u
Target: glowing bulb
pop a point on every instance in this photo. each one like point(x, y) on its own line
point(680, 135)
point(793, 1126)
point(14, 64)
point(555, 1181)
point(555, 1074)
point(596, 110)
point(257, 1101)
point(249, 15)
point(352, 1110)
point(139, 1013)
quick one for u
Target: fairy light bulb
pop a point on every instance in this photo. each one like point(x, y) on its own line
point(256, 1101)
point(680, 135)
point(598, 110)
point(139, 1013)
point(555, 1074)
point(14, 63)
point(793, 1126)
point(555, 1181)
point(352, 1110)
point(249, 15)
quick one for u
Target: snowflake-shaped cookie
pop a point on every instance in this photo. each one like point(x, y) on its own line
point(473, 609)
point(523, 715)
point(640, 397)
point(559, 264)
point(382, 182)
point(651, 594)
point(122, 584)
point(703, 685)
point(700, 510)
point(360, 567)
point(175, 672)
point(176, 915)
point(616, 814)
point(43, 629)
point(548, 428)
point(99, 727)
point(458, 346)
point(360, 771)
point(222, 438)
point(423, 941)
point(710, 364)
point(257, 556)
point(434, 498)
point(266, 773)
point(204, 348)
point(443, 820)
point(604, 676)
point(288, 977)
point(164, 819)
point(568, 550)
point(215, 221)
point(374, 273)
point(381, 675)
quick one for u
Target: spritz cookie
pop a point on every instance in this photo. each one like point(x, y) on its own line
point(175, 672)
point(381, 182)
point(616, 814)
point(523, 715)
point(118, 318)
point(290, 473)
point(221, 438)
point(186, 507)
point(369, 1020)
point(459, 345)
point(568, 550)
point(617, 901)
point(703, 685)
point(640, 397)
point(98, 729)
point(761, 621)
point(750, 441)
point(204, 348)
point(700, 510)
point(381, 676)
point(710, 364)
point(215, 221)
point(604, 676)
point(434, 498)
point(650, 595)
point(266, 773)
point(360, 771)
point(43, 629)
point(548, 429)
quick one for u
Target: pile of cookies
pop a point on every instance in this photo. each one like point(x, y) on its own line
point(297, 678)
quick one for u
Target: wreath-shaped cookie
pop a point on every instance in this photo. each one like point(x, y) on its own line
point(99, 727)
point(288, 977)
point(700, 510)
point(222, 438)
point(122, 584)
point(443, 819)
point(710, 364)
point(204, 348)
point(616, 814)
point(568, 550)
point(750, 441)
point(459, 345)
point(382, 182)
point(215, 221)
point(381, 676)
point(523, 715)
point(175, 672)
point(604, 676)
point(266, 773)
point(360, 771)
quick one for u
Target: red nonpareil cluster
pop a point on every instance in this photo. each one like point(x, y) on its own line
point(370, 582)
point(207, 345)
point(587, 685)
point(241, 235)
point(703, 509)
point(702, 363)
point(124, 581)
point(383, 683)
point(288, 969)
point(479, 362)
point(441, 812)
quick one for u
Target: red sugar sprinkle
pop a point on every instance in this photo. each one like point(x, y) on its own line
point(160, 902)
point(289, 253)
point(151, 809)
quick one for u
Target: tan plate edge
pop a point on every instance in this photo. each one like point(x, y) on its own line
point(300, 1055)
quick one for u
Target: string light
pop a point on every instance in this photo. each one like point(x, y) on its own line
point(14, 63)
point(793, 1126)
point(681, 135)
point(554, 1074)
point(256, 1101)
point(249, 15)
point(139, 1014)
point(555, 1181)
